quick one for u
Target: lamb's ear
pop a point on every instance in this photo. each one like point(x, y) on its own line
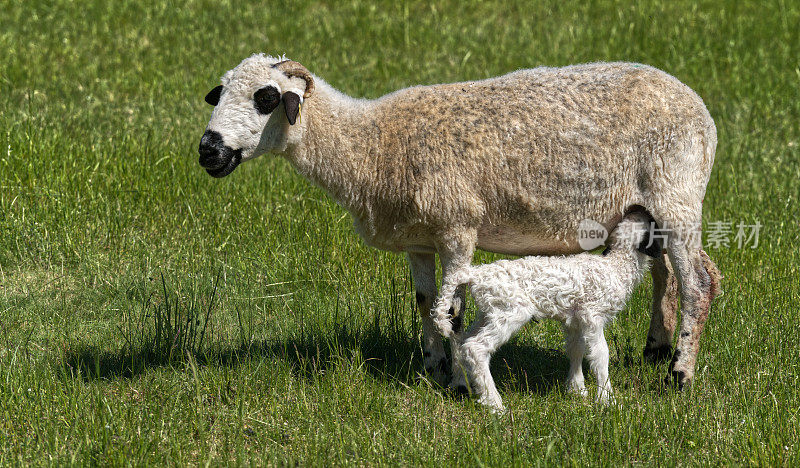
point(654, 248)
point(213, 96)
point(291, 102)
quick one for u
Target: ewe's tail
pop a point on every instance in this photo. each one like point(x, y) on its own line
point(442, 309)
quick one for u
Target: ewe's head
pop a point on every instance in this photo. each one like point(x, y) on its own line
point(637, 230)
point(254, 108)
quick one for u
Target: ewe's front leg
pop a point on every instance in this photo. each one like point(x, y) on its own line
point(699, 285)
point(423, 271)
point(664, 311)
point(455, 253)
point(459, 383)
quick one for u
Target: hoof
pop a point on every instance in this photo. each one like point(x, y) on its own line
point(605, 399)
point(579, 392)
point(495, 406)
point(658, 354)
point(677, 380)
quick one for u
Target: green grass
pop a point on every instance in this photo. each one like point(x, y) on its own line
point(312, 344)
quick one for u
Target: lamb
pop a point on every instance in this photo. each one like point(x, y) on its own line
point(511, 164)
point(584, 292)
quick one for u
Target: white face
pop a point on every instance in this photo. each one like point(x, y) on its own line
point(252, 114)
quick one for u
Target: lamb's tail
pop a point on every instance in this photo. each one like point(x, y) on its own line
point(442, 313)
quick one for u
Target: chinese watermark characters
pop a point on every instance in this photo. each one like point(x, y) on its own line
point(718, 234)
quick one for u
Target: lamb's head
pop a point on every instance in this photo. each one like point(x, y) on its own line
point(248, 119)
point(636, 231)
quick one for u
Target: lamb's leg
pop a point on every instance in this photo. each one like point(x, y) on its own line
point(492, 327)
point(664, 311)
point(576, 348)
point(598, 362)
point(455, 253)
point(699, 281)
point(476, 360)
point(476, 355)
point(423, 271)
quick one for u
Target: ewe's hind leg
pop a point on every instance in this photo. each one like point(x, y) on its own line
point(598, 361)
point(576, 348)
point(455, 253)
point(699, 284)
point(423, 271)
point(664, 311)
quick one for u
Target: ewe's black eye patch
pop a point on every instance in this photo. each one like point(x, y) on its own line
point(213, 96)
point(267, 99)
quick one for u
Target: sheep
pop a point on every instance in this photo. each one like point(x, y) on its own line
point(510, 164)
point(584, 292)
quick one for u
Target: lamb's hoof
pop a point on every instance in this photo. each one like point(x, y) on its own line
point(579, 392)
point(658, 354)
point(677, 380)
point(495, 407)
point(606, 400)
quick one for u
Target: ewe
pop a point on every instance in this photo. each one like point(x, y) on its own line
point(510, 164)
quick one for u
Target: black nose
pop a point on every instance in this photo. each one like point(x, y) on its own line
point(211, 149)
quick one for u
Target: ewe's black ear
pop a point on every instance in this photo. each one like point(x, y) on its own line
point(213, 96)
point(654, 249)
point(291, 102)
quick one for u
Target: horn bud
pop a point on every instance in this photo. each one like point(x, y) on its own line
point(291, 68)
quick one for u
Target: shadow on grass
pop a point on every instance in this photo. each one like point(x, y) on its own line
point(168, 327)
point(394, 358)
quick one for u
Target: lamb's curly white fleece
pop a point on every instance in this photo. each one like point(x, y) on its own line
point(583, 291)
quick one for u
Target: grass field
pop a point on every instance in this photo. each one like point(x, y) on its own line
point(304, 344)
